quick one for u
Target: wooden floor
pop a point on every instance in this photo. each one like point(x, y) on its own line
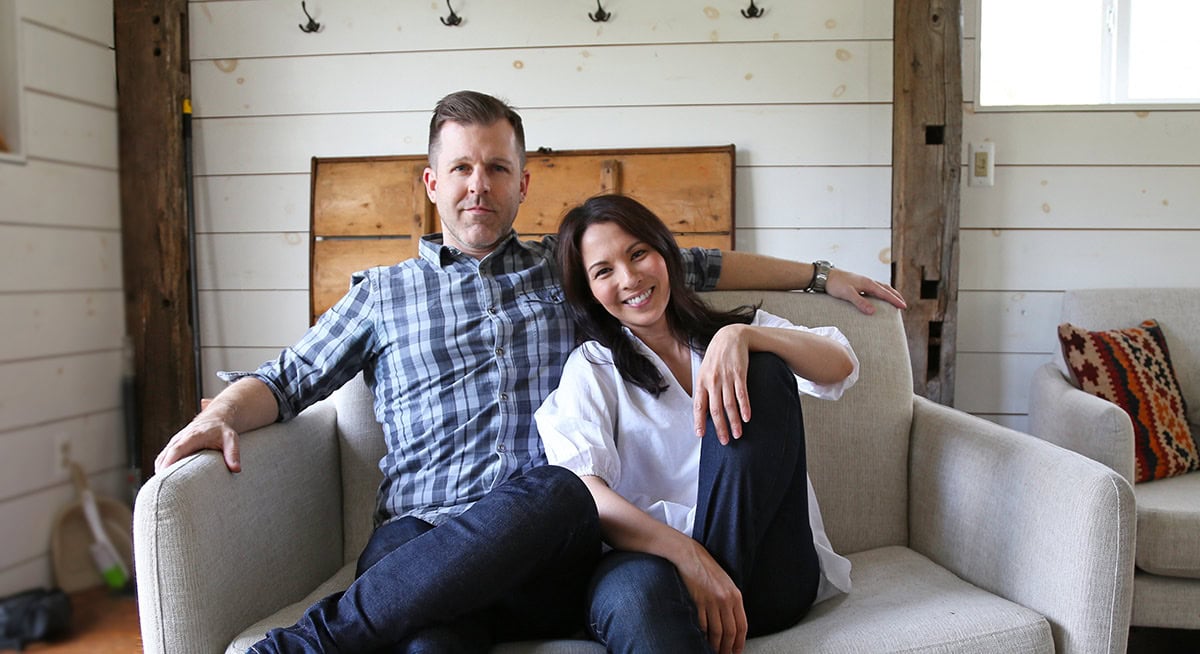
point(101, 623)
point(104, 623)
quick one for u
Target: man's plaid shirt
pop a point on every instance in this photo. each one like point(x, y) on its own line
point(459, 353)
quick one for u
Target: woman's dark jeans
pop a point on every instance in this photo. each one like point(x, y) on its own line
point(751, 515)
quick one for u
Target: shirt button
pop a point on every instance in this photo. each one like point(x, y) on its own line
point(492, 310)
point(501, 448)
point(499, 351)
point(504, 396)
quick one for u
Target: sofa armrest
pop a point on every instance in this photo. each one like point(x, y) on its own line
point(216, 551)
point(1066, 416)
point(1034, 523)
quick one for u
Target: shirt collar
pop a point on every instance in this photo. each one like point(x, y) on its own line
point(432, 248)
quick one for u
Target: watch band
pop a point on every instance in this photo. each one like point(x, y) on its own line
point(820, 277)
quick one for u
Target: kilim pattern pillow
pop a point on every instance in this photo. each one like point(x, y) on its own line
point(1132, 369)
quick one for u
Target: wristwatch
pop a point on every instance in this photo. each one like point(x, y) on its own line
point(820, 277)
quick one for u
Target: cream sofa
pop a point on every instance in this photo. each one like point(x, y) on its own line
point(1166, 586)
point(965, 536)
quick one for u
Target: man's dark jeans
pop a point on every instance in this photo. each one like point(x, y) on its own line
point(751, 515)
point(514, 566)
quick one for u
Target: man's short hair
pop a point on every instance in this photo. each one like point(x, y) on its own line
point(473, 108)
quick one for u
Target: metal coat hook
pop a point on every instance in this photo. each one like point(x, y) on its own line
point(600, 16)
point(453, 19)
point(313, 26)
point(753, 11)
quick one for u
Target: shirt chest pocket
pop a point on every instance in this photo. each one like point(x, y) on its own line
point(549, 295)
point(543, 324)
point(545, 303)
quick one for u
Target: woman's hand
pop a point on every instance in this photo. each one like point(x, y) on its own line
point(718, 601)
point(855, 288)
point(720, 391)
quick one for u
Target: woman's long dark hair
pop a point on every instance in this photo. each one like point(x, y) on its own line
point(688, 318)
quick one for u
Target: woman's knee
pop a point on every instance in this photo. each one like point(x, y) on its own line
point(774, 397)
point(774, 435)
point(769, 374)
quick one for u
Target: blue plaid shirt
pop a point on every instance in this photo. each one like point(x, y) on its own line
point(459, 353)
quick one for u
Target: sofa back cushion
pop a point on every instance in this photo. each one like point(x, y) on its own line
point(857, 446)
point(1175, 309)
point(362, 447)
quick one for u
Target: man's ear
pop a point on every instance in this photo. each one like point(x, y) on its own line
point(430, 179)
point(524, 183)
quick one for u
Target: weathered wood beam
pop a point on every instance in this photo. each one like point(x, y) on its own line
point(153, 81)
point(926, 159)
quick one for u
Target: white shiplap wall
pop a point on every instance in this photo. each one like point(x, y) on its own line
point(1083, 199)
point(61, 306)
point(804, 93)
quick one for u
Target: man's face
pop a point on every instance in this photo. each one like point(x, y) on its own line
point(477, 183)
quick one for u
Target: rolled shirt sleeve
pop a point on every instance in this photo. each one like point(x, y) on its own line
point(807, 387)
point(576, 421)
point(329, 354)
point(702, 268)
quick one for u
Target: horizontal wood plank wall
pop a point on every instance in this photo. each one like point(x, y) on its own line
point(62, 316)
point(371, 211)
point(1082, 199)
point(803, 92)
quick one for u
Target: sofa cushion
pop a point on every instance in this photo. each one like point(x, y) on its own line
point(288, 615)
point(1132, 368)
point(901, 601)
point(1168, 526)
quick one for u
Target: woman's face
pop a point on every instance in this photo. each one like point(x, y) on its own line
point(626, 276)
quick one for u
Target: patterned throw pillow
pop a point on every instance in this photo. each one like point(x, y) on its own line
point(1132, 369)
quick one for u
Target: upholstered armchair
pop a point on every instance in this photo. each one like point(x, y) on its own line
point(1166, 587)
point(965, 536)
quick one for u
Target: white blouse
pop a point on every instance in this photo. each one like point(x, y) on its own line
point(645, 448)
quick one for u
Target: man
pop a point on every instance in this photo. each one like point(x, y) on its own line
point(476, 541)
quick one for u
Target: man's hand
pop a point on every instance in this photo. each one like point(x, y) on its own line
point(245, 405)
point(853, 287)
point(720, 391)
point(206, 431)
point(718, 602)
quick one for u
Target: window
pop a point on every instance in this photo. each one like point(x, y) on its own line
point(11, 142)
point(1088, 52)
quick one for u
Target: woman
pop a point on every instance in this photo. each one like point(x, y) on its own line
point(710, 541)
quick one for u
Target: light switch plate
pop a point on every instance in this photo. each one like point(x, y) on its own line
point(981, 164)
point(60, 469)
